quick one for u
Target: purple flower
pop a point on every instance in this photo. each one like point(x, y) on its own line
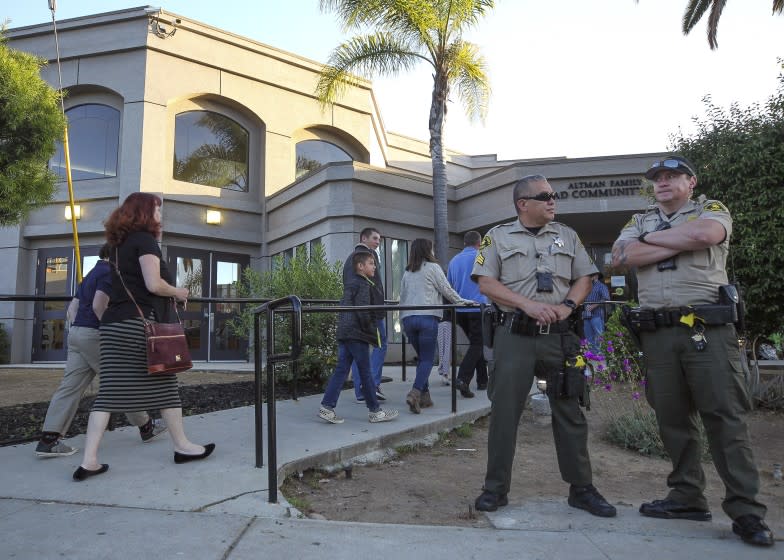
point(610, 348)
point(600, 368)
point(613, 376)
point(608, 387)
point(591, 356)
point(584, 342)
point(636, 396)
point(619, 334)
point(643, 382)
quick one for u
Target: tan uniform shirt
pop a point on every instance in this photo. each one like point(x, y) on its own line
point(699, 274)
point(513, 255)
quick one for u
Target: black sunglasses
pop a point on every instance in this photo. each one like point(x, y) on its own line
point(672, 164)
point(541, 197)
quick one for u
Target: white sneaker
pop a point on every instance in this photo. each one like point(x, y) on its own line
point(329, 415)
point(383, 415)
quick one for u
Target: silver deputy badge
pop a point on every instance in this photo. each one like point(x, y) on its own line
point(558, 242)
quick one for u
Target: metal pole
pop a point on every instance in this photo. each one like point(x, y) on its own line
point(403, 356)
point(272, 453)
point(66, 150)
point(258, 414)
point(453, 360)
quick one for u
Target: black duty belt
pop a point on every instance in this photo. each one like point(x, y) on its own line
point(526, 326)
point(710, 315)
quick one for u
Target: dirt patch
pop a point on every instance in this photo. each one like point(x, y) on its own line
point(438, 485)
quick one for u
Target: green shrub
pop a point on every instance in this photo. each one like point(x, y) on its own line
point(308, 278)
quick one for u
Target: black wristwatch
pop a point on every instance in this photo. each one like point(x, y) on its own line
point(641, 238)
point(570, 304)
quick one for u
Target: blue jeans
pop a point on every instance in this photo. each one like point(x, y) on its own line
point(422, 333)
point(594, 328)
point(359, 353)
point(376, 361)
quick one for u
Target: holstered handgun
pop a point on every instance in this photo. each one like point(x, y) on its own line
point(490, 318)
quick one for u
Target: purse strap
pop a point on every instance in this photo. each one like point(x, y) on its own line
point(116, 266)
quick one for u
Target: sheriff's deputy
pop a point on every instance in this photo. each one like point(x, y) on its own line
point(537, 272)
point(679, 247)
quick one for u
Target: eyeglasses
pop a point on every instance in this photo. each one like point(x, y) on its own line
point(672, 164)
point(541, 197)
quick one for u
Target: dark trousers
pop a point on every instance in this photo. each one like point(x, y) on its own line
point(511, 376)
point(471, 323)
point(684, 384)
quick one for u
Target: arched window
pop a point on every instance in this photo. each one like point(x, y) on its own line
point(312, 154)
point(93, 140)
point(210, 149)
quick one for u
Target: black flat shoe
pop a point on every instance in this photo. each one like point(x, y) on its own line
point(180, 458)
point(83, 474)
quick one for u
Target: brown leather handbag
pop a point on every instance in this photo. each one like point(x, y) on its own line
point(167, 347)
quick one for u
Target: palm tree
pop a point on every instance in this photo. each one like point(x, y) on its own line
point(697, 8)
point(403, 33)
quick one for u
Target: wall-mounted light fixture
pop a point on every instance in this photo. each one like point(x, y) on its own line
point(214, 217)
point(77, 211)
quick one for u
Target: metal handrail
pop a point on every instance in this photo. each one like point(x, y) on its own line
point(295, 307)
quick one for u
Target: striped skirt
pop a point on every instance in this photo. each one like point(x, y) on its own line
point(125, 384)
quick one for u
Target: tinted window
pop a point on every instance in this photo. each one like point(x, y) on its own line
point(312, 154)
point(93, 139)
point(210, 149)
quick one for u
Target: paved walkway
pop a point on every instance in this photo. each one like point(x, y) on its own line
point(146, 506)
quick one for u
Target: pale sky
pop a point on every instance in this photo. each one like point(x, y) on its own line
point(571, 78)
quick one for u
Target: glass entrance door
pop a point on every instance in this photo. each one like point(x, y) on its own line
point(226, 274)
point(55, 277)
point(191, 270)
point(217, 275)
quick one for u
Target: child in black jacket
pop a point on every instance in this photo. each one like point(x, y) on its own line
point(356, 330)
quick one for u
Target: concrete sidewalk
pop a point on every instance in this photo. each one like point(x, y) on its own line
point(146, 506)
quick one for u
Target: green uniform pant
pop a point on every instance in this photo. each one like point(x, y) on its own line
point(682, 383)
point(511, 375)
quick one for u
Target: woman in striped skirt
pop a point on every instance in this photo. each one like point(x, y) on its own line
point(133, 231)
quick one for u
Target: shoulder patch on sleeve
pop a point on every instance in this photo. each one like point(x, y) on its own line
point(714, 206)
point(480, 259)
point(630, 222)
point(486, 242)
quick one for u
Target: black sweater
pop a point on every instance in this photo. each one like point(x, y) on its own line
point(357, 325)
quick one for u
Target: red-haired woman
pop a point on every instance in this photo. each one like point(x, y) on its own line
point(133, 231)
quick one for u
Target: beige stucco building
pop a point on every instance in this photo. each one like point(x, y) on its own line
point(213, 121)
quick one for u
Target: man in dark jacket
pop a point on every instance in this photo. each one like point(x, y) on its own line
point(356, 330)
point(369, 241)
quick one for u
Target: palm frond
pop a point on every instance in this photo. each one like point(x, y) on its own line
point(778, 6)
point(713, 22)
point(466, 13)
point(413, 21)
point(379, 54)
point(694, 12)
point(467, 73)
